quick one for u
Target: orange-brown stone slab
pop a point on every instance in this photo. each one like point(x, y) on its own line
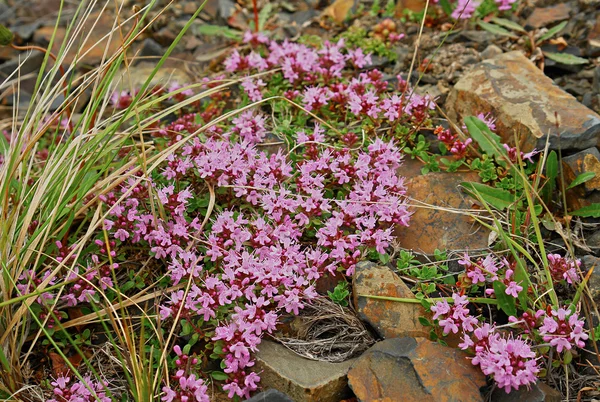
point(525, 103)
point(408, 369)
point(390, 319)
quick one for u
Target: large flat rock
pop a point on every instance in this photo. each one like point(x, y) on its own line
point(526, 103)
point(439, 221)
point(301, 379)
point(411, 370)
point(390, 319)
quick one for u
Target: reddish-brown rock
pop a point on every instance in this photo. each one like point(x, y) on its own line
point(593, 39)
point(390, 319)
point(542, 17)
point(586, 161)
point(408, 369)
point(525, 103)
point(434, 226)
point(95, 46)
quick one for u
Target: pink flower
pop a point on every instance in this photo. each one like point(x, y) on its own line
point(465, 9)
point(563, 329)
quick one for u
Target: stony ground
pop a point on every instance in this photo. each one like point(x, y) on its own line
point(468, 71)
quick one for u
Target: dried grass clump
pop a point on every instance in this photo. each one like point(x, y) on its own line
point(329, 332)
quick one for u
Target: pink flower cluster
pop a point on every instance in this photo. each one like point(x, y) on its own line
point(79, 391)
point(455, 317)
point(263, 265)
point(456, 146)
point(563, 268)
point(187, 387)
point(315, 75)
point(465, 8)
point(511, 362)
point(563, 329)
point(489, 269)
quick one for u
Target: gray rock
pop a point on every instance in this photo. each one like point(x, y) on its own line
point(150, 48)
point(589, 262)
point(539, 392)
point(270, 395)
point(226, 8)
point(302, 379)
point(25, 31)
point(6, 13)
point(596, 80)
point(302, 17)
point(490, 52)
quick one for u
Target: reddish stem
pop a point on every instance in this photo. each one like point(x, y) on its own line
point(255, 6)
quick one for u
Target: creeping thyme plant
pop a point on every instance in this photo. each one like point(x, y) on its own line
point(289, 170)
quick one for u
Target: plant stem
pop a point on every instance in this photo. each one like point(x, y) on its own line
point(255, 6)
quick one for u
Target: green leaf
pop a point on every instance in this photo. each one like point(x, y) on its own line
point(487, 140)
point(551, 174)
point(263, 16)
point(496, 197)
point(592, 211)
point(552, 31)
point(568, 357)
point(216, 30)
point(509, 24)
point(505, 302)
point(446, 7)
point(582, 178)
point(424, 322)
point(496, 30)
point(219, 375)
point(552, 166)
point(565, 58)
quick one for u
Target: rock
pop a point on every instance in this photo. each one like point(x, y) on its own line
point(270, 395)
point(7, 13)
point(524, 101)
point(593, 39)
point(226, 8)
point(25, 31)
point(302, 379)
point(589, 262)
point(435, 228)
point(150, 48)
point(389, 318)
point(94, 48)
point(190, 8)
point(300, 18)
point(540, 392)
point(165, 36)
point(542, 17)
point(482, 38)
point(490, 52)
point(585, 161)
point(408, 369)
point(167, 74)
point(596, 80)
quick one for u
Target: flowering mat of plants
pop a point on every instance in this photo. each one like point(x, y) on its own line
point(153, 236)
